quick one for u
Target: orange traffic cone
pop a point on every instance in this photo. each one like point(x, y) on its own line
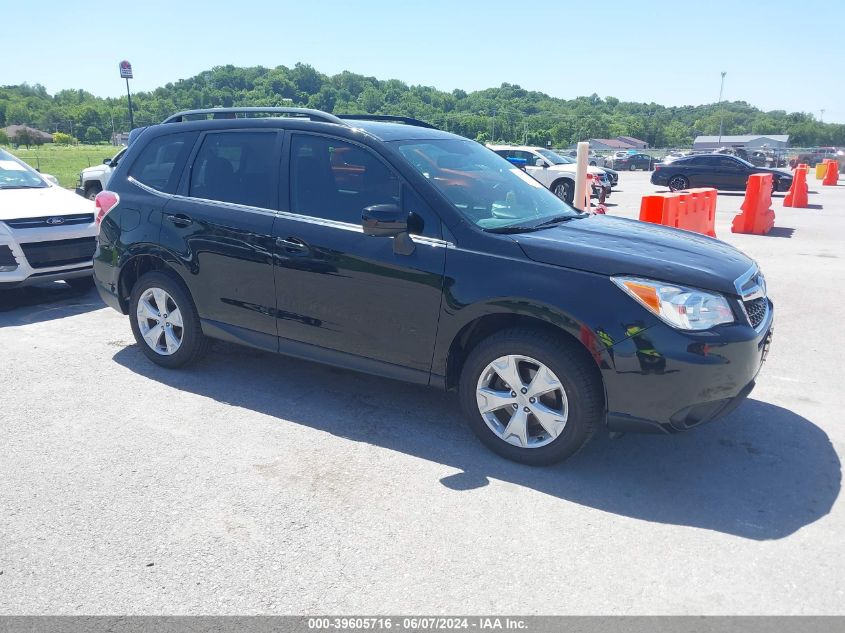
point(831, 177)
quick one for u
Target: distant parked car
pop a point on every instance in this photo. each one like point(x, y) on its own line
point(553, 170)
point(673, 156)
point(818, 155)
point(632, 162)
point(46, 233)
point(593, 159)
point(720, 171)
point(94, 179)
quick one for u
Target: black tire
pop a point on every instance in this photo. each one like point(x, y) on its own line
point(81, 284)
point(91, 190)
point(678, 182)
point(194, 343)
point(632, 167)
point(581, 383)
point(564, 189)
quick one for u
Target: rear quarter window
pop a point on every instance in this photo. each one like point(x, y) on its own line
point(160, 163)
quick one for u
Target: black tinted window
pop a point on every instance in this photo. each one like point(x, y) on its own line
point(336, 180)
point(236, 167)
point(160, 163)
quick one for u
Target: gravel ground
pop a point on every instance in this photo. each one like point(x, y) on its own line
point(253, 483)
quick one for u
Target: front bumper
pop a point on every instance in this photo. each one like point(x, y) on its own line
point(25, 274)
point(664, 380)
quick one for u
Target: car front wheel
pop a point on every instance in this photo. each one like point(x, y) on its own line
point(530, 396)
point(164, 321)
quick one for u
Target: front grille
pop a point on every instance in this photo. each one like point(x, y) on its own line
point(50, 221)
point(7, 259)
point(59, 252)
point(756, 309)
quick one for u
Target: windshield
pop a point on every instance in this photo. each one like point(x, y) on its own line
point(15, 174)
point(484, 187)
point(553, 158)
point(744, 162)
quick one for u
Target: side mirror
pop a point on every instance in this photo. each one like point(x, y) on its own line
point(384, 220)
point(388, 220)
point(106, 161)
point(540, 163)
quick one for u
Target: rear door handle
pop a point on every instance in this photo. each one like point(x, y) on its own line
point(293, 245)
point(180, 219)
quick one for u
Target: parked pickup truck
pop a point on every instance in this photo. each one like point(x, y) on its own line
point(93, 180)
point(554, 171)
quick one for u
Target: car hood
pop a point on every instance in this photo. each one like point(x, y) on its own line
point(618, 246)
point(37, 203)
point(571, 168)
point(95, 171)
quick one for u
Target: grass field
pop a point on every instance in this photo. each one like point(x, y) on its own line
point(64, 162)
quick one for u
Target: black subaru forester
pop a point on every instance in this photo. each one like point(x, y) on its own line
point(404, 251)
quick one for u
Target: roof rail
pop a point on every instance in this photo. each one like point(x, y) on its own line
point(389, 118)
point(232, 113)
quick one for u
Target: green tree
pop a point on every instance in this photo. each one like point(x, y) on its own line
point(93, 135)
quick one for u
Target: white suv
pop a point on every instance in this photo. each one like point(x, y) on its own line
point(46, 232)
point(553, 170)
point(93, 180)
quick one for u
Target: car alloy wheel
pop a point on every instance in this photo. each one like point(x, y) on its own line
point(160, 321)
point(522, 401)
point(564, 191)
point(677, 183)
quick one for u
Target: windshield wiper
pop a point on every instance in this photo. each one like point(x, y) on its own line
point(558, 219)
point(22, 186)
point(513, 228)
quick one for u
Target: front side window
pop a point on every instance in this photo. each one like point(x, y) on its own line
point(236, 167)
point(484, 187)
point(336, 180)
point(159, 164)
point(553, 157)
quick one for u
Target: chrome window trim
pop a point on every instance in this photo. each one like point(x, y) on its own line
point(148, 189)
point(309, 219)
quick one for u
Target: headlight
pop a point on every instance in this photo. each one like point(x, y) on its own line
point(680, 307)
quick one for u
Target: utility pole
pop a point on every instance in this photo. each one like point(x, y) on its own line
point(493, 132)
point(525, 132)
point(721, 111)
point(821, 118)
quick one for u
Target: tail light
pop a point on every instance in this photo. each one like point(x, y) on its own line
point(657, 166)
point(104, 202)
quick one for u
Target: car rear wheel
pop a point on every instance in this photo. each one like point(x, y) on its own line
point(164, 321)
point(632, 167)
point(530, 397)
point(676, 183)
point(565, 190)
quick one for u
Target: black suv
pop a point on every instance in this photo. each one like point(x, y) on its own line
point(404, 251)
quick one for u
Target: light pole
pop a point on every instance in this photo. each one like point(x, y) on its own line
point(721, 111)
point(821, 118)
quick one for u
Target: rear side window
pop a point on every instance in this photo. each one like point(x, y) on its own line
point(236, 167)
point(160, 163)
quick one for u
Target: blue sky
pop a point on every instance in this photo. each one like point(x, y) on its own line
point(640, 50)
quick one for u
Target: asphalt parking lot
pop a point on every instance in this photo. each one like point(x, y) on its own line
point(253, 483)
